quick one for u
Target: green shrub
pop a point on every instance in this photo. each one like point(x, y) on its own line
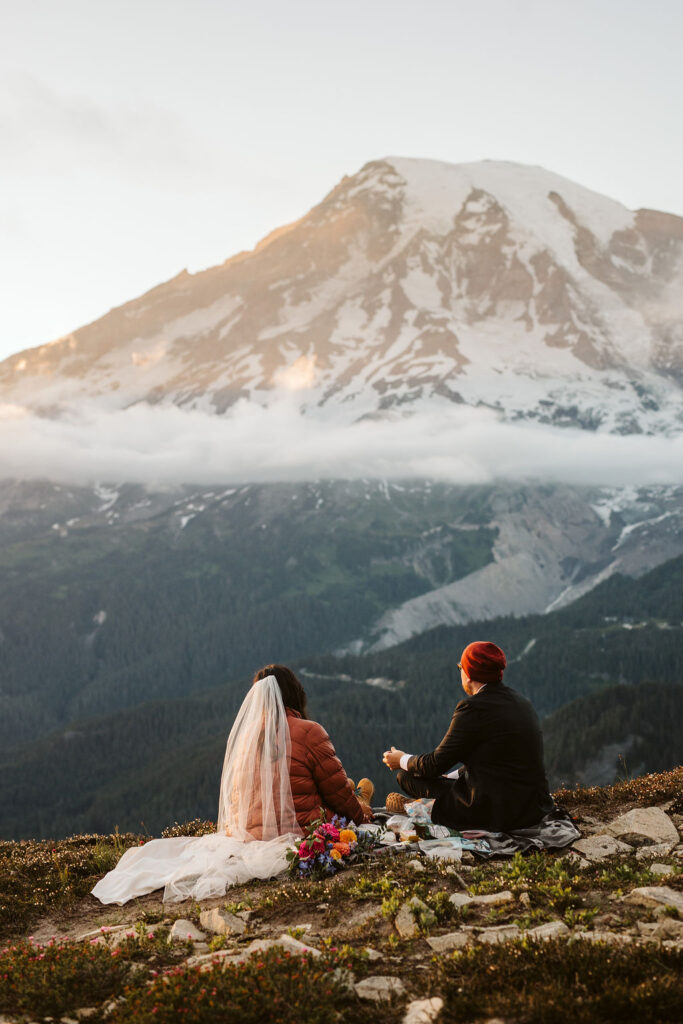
point(270, 986)
point(36, 876)
point(554, 982)
point(196, 827)
point(52, 980)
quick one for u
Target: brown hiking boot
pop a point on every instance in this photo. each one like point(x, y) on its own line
point(396, 803)
point(366, 791)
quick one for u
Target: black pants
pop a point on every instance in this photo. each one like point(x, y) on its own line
point(416, 786)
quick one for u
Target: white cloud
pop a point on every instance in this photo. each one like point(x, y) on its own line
point(166, 445)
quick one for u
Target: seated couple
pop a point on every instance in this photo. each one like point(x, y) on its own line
point(494, 732)
point(280, 769)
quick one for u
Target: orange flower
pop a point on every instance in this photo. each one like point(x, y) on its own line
point(343, 848)
point(347, 835)
point(335, 854)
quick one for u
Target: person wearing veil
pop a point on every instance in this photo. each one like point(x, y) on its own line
point(280, 772)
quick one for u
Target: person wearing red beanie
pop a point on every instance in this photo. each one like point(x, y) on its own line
point(496, 736)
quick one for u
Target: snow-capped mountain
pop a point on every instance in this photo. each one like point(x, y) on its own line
point(412, 283)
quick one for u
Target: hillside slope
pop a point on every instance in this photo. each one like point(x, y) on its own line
point(397, 938)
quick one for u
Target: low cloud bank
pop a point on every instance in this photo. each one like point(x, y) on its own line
point(166, 445)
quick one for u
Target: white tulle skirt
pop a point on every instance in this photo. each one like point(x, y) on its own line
point(193, 867)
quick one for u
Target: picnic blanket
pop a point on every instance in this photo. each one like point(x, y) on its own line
point(416, 829)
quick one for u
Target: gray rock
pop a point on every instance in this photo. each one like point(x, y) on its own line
point(661, 869)
point(345, 979)
point(524, 899)
point(423, 1011)
point(412, 911)
point(222, 922)
point(380, 989)
point(654, 851)
point(597, 847)
point(416, 865)
point(656, 896)
point(373, 954)
point(613, 938)
point(359, 918)
point(461, 899)
point(206, 961)
point(183, 930)
point(494, 899)
point(445, 943)
point(501, 933)
point(107, 934)
point(549, 930)
point(649, 823)
point(287, 942)
point(666, 928)
point(577, 862)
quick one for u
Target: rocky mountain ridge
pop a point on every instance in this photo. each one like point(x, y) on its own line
point(413, 285)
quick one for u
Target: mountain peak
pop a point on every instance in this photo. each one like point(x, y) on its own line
point(414, 283)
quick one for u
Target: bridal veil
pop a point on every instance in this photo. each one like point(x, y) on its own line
point(256, 819)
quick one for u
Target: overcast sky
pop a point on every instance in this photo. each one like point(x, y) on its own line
point(139, 137)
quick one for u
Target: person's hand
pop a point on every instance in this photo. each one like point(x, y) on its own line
point(392, 758)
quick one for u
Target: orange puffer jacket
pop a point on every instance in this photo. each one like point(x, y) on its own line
point(317, 776)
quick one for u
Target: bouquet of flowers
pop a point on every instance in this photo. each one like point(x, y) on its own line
point(328, 847)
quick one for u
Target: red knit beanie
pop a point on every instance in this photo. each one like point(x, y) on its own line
point(484, 662)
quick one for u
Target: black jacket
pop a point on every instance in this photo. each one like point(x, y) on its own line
point(497, 736)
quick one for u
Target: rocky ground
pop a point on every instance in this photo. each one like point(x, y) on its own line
point(592, 934)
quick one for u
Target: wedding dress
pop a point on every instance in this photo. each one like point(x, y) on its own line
point(256, 818)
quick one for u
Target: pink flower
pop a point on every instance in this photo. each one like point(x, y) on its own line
point(329, 832)
point(310, 847)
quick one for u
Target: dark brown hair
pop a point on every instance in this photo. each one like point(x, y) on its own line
point(293, 693)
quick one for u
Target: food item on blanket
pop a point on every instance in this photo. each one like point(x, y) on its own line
point(396, 803)
point(409, 836)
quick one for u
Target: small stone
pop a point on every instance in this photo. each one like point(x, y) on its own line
point(525, 899)
point(461, 899)
point(288, 943)
point(445, 943)
point(107, 934)
point(379, 989)
point(468, 857)
point(344, 978)
point(501, 933)
point(549, 930)
point(406, 921)
point(577, 862)
point(656, 896)
point(494, 899)
point(653, 851)
point(360, 917)
point(660, 869)
point(416, 865)
point(222, 922)
point(612, 938)
point(183, 930)
point(207, 960)
point(373, 954)
point(597, 847)
point(649, 823)
point(423, 1011)
point(84, 1012)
